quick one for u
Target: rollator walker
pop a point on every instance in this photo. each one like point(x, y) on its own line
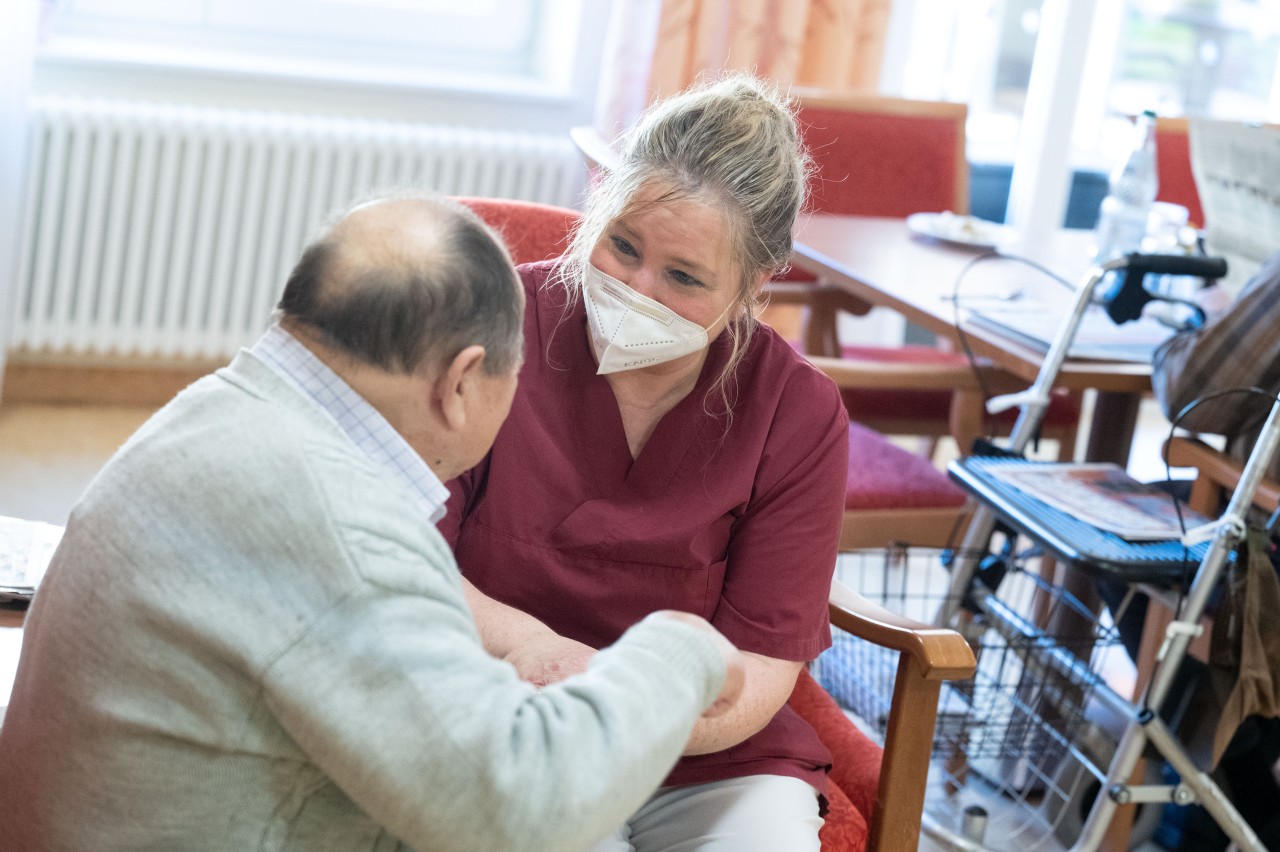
point(1145, 727)
point(1038, 729)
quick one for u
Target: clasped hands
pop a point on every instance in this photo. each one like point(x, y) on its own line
point(548, 658)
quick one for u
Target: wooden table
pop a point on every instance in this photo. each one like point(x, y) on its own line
point(882, 263)
point(879, 261)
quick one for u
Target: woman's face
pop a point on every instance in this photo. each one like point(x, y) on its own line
point(677, 253)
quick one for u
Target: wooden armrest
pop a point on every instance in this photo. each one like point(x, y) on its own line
point(942, 653)
point(1219, 469)
point(929, 655)
point(855, 373)
point(817, 295)
point(789, 293)
point(848, 373)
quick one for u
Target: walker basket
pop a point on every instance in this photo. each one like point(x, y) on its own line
point(1025, 739)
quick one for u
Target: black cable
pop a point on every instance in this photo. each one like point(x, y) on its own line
point(962, 338)
point(1185, 583)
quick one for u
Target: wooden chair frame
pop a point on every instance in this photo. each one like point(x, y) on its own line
point(927, 656)
point(1217, 474)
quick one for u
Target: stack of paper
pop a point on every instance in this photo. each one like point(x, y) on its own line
point(1098, 338)
point(26, 547)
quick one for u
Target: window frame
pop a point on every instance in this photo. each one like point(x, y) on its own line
point(547, 68)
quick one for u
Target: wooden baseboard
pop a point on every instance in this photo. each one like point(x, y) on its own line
point(47, 379)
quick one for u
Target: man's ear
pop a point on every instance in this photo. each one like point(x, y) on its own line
point(457, 383)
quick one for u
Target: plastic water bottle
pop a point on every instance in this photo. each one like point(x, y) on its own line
point(1122, 220)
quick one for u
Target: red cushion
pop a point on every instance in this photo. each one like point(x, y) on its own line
point(885, 476)
point(843, 828)
point(532, 231)
point(877, 164)
point(927, 405)
point(1173, 167)
point(855, 771)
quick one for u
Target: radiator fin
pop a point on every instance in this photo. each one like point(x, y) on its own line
point(167, 231)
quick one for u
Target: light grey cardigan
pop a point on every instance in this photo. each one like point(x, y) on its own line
point(251, 639)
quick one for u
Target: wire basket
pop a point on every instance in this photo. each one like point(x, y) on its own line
point(1024, 739)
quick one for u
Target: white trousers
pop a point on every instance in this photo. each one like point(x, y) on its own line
point(758, 813)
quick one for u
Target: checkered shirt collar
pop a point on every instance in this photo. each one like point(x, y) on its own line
point(370, 431)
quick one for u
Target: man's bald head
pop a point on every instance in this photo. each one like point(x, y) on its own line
point(404, 283)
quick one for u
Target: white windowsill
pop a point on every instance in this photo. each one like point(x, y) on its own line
point(83, 53)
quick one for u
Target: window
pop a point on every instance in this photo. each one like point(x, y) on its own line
point(512, 44)
point(1199, 58)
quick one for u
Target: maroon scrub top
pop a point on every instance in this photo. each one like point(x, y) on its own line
point(737, 521)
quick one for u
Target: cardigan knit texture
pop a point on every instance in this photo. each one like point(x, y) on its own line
point(251, 639)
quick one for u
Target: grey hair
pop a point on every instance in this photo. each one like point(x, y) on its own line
point(399, 302)
point(731, 143)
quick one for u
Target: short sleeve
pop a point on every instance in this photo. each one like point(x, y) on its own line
point(782, 549)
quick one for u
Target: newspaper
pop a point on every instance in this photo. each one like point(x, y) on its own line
point(25, 550)
point(1237, 173)
point(1104, 496)
point(1098, 338)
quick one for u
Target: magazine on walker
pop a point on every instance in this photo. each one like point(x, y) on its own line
point(1104, 496)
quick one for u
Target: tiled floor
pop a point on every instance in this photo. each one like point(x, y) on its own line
point(48, 454)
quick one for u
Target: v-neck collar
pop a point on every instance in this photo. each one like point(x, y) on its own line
point(602, 436)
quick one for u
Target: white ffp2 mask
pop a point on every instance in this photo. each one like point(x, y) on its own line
point(629, 330)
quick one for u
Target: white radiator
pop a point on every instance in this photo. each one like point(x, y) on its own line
point(168, 231)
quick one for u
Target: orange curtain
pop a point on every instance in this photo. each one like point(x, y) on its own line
point(830, 44)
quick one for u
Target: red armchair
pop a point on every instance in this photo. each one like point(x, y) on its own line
point(532, 231)
point(876, 794)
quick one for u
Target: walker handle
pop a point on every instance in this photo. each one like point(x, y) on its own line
point(1127, 303)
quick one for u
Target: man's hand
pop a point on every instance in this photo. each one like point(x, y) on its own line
point(735, 665)
point(549, 658)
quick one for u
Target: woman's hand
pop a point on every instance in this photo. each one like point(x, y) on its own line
point(768, 685)
point(540, 655)
point(549, 658)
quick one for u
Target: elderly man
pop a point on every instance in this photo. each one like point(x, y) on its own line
point(252, 637)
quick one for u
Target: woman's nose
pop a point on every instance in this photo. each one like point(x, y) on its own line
point(643, 281)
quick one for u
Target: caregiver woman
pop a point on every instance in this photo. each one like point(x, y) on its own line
point(664, 451)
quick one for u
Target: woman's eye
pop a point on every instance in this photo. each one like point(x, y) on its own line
point(623, 246)
point(686, 279)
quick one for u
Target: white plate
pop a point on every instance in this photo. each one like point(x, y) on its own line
point(960, 230)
